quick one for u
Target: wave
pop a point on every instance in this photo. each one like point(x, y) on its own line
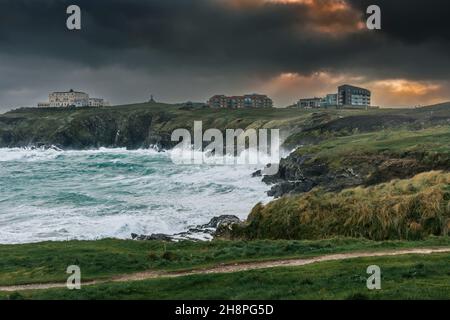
point(50, 194)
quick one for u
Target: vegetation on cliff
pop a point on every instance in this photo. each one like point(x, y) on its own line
point(140, 125)
point(363, 159)
point(143, 124)
point(401, 209)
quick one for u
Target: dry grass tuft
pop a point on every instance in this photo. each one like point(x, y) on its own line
point(401, 209)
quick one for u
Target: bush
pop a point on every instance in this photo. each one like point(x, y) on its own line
point(408, 209)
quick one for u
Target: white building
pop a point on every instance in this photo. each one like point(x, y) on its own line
point(71, 98)
point(97, 102)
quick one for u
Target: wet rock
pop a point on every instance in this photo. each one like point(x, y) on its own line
point(154, 237)
point(257, 174)
point(301, 173)
point(197, 233)
point(221, 220)
point(282, 188)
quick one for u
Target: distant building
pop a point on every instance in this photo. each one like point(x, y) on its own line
point(309, 103)
point(97, 102)
point(240, 102)
point(331, 100)
point(71, 98)
point(353, 96)
point(218, 101)
point(347, 96)
point(257, 101)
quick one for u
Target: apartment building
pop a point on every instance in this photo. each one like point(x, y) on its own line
point(239, 102)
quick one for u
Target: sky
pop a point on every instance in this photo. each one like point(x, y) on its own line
point(189, 50)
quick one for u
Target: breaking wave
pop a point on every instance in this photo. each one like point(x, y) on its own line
point(50, 194)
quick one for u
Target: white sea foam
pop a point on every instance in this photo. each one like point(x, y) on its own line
point(59, 195)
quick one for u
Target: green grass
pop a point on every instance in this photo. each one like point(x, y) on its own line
point(81, 128)
point(431, 144)
point(401, 209)
point(47, 262)
point(403, 277)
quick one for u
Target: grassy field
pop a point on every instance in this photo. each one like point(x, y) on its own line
point(403, 277)
point(144, 124)
point(431, 145)
point(401, 209)
point(47, 262)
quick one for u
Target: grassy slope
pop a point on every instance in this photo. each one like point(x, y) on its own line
point(218, 115)
point(403, 277)
point(401, 209)
point(94, 127)
point(431, 142)
point(47, 262)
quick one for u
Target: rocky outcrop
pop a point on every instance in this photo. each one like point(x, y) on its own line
point(86, 128)
point(301, 173)
point(200, 232)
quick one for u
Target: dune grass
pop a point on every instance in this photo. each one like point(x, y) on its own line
point(401, 209)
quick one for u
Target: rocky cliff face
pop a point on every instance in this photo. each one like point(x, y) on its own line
point(301, 173)
point(81, 131)
point(135, 126)
point(395, 146)
point(298, 174)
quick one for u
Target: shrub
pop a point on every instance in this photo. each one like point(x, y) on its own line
point(401, 209)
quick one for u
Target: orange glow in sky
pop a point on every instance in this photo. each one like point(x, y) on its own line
point(288, 87)
point(333, 18)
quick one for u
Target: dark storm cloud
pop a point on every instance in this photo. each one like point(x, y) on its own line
point(210, 37)
point(413, 21)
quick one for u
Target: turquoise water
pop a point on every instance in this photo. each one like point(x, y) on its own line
point(60, 195)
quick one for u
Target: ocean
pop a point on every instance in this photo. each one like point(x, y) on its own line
point(53, 195)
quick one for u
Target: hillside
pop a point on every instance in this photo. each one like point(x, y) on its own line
point(355, 159)
point(141, 125)
point(137, 126)
point(401, 209)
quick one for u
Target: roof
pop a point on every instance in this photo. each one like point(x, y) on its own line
point(347, 86)
point(70, 91)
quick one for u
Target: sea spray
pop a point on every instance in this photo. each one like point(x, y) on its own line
point(48, 194)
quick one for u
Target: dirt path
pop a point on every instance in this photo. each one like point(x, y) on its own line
point(232, 268)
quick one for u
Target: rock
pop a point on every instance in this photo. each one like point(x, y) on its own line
point(154, 237)
point(218, 221)
point(159, 237)
point(257, 174)
point(197, 233)
point(282, 188)
point(301, 173)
